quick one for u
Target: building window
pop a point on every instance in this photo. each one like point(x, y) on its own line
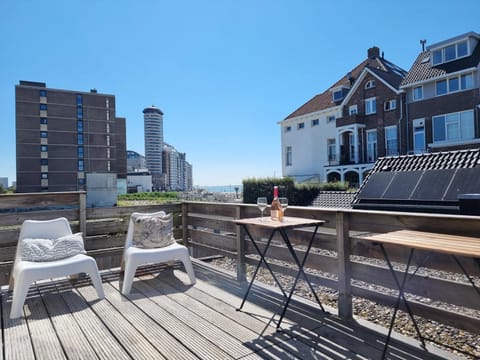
point(466, 82)
point(288, 128)
point(43, 121)
point(288, 156)
point(331, 118)
point(79, 100)
point(107, 113)
point(332, 151)
point(80, 125)
point(300, 126)
point(108, 128)
point(450, 53)
point(390, 105)
point(81, 166)
point(315, 122)
point(454, 84)
point(441, 87)
point(418, 138)
point(370, 84)
point(107, 103)
point(337, 95)
point(453, 127)
point(43, 161)
point(418, 93)
point(81, 181)
point(79, 112)
point(372, 152)
point(80, 139)
point(370, 106)
point(80, 152)
point(44, 134)
point(43, 148)
point(43, 93)
point(43, 106)
point(44, 175)
point(391, 143)
point(353, 110)
point(108, 153)
point(108, 140)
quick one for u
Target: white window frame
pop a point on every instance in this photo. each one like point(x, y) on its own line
point(301, 126)
point(371, 106)
point(442, 52)
point(331, 118)
point(390, 105)
point(461, 87)
point(372, 147)
point(466, 130)
point(391, 150)
point(288, 128)
point(315, 122)
point(353, 109)
point(419, 130)
point(332, 150)
point(417, 95)
point(370, 84)
point(288, 155)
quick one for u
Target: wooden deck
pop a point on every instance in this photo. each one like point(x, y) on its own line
point(164, 318)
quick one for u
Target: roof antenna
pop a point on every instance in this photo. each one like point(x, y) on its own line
point(423, 44)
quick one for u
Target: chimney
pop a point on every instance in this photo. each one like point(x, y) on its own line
point(374, 52)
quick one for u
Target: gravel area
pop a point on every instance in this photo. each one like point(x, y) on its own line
point(459, 342)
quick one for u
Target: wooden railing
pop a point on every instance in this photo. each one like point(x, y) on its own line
point(207, 229)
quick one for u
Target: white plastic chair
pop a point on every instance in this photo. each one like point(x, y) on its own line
point(134, 256)
point(24, 273)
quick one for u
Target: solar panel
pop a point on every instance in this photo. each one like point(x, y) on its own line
point(376, 185)
point(433, 184)
point(402, 185)
point(466, 181)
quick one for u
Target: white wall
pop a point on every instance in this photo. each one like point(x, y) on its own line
point(309, 145)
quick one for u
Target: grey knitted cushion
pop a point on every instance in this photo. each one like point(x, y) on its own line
point(52, 249)
point(152, 231)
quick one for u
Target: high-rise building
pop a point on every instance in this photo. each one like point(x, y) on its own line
point(177, 172)
point(63, 135)
point(153, 132)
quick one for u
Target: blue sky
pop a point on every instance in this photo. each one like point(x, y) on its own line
point(223, 72)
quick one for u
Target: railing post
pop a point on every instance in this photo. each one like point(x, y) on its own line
point(240, 242)
point(185, 223)
point(344, 266)
point(82, 213)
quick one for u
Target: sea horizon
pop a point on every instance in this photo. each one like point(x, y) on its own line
point(220, 188)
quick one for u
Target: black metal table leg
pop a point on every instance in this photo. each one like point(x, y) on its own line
point(401, 296)
point(300, 271)
point(262, 259)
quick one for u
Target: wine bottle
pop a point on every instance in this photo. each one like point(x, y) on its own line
point(276, 212)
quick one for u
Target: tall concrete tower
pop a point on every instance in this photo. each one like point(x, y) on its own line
point(153, 129)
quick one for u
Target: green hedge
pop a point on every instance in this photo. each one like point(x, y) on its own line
point(297, 194)
point(156, 195)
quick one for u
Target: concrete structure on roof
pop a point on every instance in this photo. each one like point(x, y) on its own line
point(338, 134)
point(63, 135)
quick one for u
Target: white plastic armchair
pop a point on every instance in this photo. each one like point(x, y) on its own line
point(24, 273)
point(134, 256)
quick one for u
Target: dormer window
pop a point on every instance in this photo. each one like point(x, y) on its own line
point(450, 52)
point(338, 93)
point(370, 84)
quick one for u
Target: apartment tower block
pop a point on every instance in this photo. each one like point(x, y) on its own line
point(63, 135)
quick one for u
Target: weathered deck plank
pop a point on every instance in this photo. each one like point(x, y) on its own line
point(164, 317)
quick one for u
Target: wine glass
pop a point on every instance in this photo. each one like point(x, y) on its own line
point(262, 204)
point(284, 203)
